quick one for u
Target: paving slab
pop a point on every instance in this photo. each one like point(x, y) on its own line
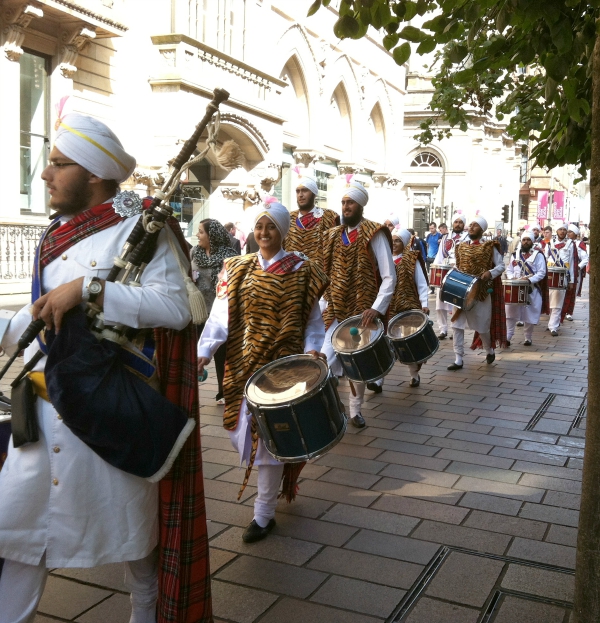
point(430, 610)
point(527, 611)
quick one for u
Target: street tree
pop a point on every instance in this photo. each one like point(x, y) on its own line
point(479, 46)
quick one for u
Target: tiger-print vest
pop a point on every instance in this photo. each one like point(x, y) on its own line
point(309, 241)
point(406, 295)
point(268, 314)
point(475, 259)
point(352, 271)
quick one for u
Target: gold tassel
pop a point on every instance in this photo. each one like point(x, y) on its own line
point(197, 304)
point(230, 156)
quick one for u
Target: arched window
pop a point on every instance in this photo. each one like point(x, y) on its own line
point(426, 159)
point(295, 101)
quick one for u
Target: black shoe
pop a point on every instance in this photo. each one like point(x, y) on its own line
point(455, 366)
point(255, 533)
point(519, 324)
point(490, 358)
point(508, 342)
point(415, 382)
point(358, 421)
point(553, 333)
point(527, 343)
point(442, 336)
point(452, 337)
point(375, 388)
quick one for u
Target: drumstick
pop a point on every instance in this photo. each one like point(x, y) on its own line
point(355, 334)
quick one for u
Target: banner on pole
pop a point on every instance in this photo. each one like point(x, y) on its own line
point(558, 211)
point(542, 205)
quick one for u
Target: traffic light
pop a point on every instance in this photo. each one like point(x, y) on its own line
point(505, 214)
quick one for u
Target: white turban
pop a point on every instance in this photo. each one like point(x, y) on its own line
point(459, 217)
point(528, 233)
point(572, 227)
point(310, 183)
point(560, 225)
point(278, 213)
point(403, 234)
point(394, 219)
point(357, 192)
point(94, 146)
point(481, 222)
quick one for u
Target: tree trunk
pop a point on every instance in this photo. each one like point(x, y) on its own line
point(587, 572)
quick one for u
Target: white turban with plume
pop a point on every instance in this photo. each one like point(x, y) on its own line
point(481, 222)
point(308, 182)
point(572, 227)
point(459, 217)
point(560, 225)
point(393, 218)
point(277, 212)
point(357, 192)
point(528, 233)
point(403, 234)
point(94, 146)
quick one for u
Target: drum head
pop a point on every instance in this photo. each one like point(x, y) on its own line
point(286, 380)
point(343, 340)
point(406, 324)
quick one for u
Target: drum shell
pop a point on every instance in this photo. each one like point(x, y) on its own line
point(5, 433)
point(368, 364)
point(418, 347)
point(437, 273)
point(304, 428)
point(557, 278)
point(515, 292)
point(458, 290)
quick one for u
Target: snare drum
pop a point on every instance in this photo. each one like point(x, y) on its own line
point(412, 337)
point(437, 272)
point(296, 405)
point(516, 292)
point(459, 289)
point(4, 437)
point(363, 352)
point(558, 278)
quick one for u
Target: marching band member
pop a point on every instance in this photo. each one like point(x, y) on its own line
point(309, 223)
point(392, 221)
point(487, 319)
point(447, 255)
point(572, 233)
point(63, 505)
point(267, 307)
point(564, 253)
point(530, 265)
point(411, 287)
point(358, 261)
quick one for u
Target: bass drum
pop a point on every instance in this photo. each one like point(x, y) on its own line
point(459, 290)
point(412, 337)
point(363, 352)
point(297, 408)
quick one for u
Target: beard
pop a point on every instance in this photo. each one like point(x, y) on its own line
point(354, 220)
point(75, 198)
point(456, 230)
point(526, 247)
point(474, 236)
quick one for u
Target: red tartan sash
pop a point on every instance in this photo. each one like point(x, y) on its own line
point(285, 265)
point(308, 221)
point(398, 260)
point(81, 226)
point(351, 236)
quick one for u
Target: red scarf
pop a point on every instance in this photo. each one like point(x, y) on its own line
point(76, 229)
point(352, 235)
point(285, 265)
point(308, 221)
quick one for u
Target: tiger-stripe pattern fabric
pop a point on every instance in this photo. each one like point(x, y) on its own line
point(475, 259)
point(354, 276)
point(309, 241)
point(268, 314)
point(405, 296)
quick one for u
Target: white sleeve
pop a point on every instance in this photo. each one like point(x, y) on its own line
point(510, 269)
point(498, 264)
point(216, 329)
point(314, 334)
point(422, 287)
point(162, 299)
point(18, 323)
point(584, 258)
point(540, 269)
point(439, 256)
point(387, 271)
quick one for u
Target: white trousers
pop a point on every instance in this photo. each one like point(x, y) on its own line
point(510, 329)
point(269, 479)
point(442, 320)
point(22, 587)
point(459, 342)
point(355, 402)
point(554, 320)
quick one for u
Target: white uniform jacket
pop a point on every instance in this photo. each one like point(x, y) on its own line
point(447, 257)
point(565, 256)
point(58, 496)
point(515, 270)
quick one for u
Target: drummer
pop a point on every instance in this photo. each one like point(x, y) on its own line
point(563, 252)
point(357, 258)
point(572, 233)
point(267, 307)
point(447, 255)
point(411, 287)
point(529, 265)
point(487, 318)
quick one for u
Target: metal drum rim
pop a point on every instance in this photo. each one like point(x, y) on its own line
point(317, 388)
point(469, 288)
point(380, 327)
point(379, 376)
point(417, 332)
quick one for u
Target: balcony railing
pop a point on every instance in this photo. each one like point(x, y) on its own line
point(17, 250)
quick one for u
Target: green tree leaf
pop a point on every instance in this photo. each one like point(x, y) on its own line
point(410, 33)
point(314, 7)
point(346, 27)
point(401, 53)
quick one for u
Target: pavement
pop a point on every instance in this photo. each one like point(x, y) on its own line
point(458, 503)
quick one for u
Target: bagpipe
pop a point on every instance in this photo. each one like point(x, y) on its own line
point(104, 387)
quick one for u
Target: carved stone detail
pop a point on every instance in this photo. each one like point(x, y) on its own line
point(345, 168)
point(306, 157)
point(248, 195)
point(250, 127)
point(272, 176)
point(14, 31)
point(73, 44)
point(380, 178)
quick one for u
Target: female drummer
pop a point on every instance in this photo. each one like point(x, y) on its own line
point(267, 307)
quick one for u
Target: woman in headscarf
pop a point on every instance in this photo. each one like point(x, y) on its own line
point(214, 247)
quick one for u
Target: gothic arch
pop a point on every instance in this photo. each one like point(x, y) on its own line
point(296, 105)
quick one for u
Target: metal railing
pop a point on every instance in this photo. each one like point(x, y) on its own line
point(17, 250)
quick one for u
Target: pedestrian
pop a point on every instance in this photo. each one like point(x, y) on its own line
point(392, 221)
point(432, 241)
point(501, 240)
point(233, 241)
